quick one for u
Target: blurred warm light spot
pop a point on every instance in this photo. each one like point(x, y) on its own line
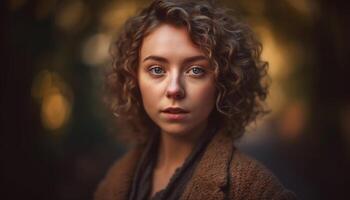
point(55, 98)
point(71, 16)
point(279, 67)
point(304, 7)
point(14, 5)
point(116, 13)
point(274, 52)
point(54, 111)
point(282, 57)
point(293, 120)
point(95, 49)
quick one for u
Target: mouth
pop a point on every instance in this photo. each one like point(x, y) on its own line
point(175, 110)
point(175, 114)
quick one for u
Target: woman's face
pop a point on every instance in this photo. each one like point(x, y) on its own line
point(175, 80)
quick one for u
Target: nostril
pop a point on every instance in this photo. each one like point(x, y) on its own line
point(175, 89)
point(175, 94)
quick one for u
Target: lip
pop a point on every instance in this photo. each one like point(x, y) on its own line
point(174, 113)
point(175, 110)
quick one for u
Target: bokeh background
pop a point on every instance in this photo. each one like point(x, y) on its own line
point(58, 138)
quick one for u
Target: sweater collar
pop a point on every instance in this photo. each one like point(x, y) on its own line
point(211, 175)
point(209, 179)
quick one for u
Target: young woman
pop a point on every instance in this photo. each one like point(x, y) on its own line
point(187, 79)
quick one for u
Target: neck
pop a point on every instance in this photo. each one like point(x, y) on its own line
point(174, 149)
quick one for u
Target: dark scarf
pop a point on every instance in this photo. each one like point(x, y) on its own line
point(142, 182)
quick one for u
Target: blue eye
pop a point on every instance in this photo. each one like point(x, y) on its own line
point(158, 71)
point(196, 71)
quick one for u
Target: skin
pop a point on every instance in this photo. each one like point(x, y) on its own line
point(174, 72)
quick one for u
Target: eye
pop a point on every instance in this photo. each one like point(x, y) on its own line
point(196, 71)
point(156, 70)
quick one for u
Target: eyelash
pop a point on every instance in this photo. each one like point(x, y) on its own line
point(202, 71)
point(152, 70)
point(158, 74)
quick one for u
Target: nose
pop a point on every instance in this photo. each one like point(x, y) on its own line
point(175, 89)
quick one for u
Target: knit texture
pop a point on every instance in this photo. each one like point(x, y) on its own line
point(222, 173)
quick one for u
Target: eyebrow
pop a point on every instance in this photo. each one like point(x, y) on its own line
point(164, 60)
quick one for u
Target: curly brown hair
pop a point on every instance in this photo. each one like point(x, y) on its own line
point(230, 46)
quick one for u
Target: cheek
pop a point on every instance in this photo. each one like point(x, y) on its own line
point(150, 94)
point(204, 97)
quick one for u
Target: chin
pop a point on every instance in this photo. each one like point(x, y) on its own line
point(175, 129)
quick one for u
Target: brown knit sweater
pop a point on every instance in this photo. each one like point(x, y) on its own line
point(249, 180)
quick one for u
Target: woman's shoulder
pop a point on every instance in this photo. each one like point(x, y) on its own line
point(118, 178)
point(252, 180)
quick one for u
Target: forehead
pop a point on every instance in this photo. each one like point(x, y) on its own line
point(169, 41)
